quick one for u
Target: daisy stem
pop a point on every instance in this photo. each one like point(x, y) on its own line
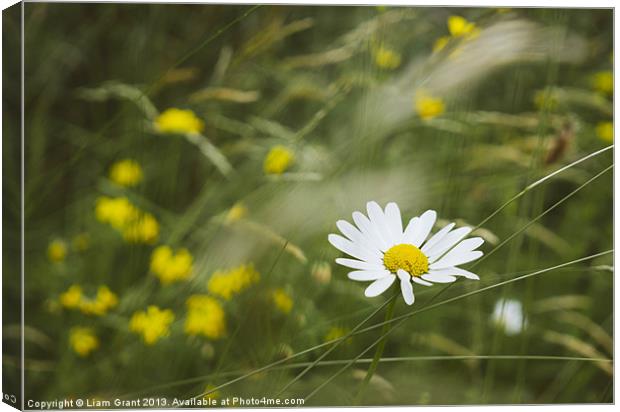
point(389, 314)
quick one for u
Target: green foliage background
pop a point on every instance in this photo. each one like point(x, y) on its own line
point(356, 137)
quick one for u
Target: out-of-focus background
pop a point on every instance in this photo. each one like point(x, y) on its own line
point(184, 165)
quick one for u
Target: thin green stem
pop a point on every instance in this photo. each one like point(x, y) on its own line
point(401, 319)
point(389, 314)
point(336, 344)
point(335, 362)
point(541, 180)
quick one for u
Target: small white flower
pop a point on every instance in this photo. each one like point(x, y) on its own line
point(508, 315)
point(383, 251)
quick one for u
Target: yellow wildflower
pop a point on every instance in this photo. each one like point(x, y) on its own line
point(205, 316)
point(169, 266)
point(143, 229)
point(428, 106)
point(81, 242)
point(546, 100)
point(336, 333)
point(83, 340)
point(225, 284)
point(386, 58)
point(178, 121)
point(282, 300)
point(278, 160)
point(322, 272)
point(605, 131)
point(153, 324)
point(211, 395)
point(135, 225)
point(603, 81)
point(459, 27)
point(126, 172)
point(72, 297)
point(57, 251)
point(104, 300)
point(118, 212)
point(237, 212)
point(106, 297)
point(440, 43)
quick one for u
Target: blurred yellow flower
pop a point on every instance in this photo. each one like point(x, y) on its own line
point(103, 301)
point(205, 316)
point(282, 300)
point(72, 297)
point(83, 340)
point(459, 27)
point(237, 212)
point(118, 212)
point(225, 284)
point(278, 160)
point(546, 100)
point(212, 395)
point(605, 131)
point(153, 324)
point(135, 225)
point(169, 266)
point(428, 106)
point(336, 333)
point(178, 121)
point(603, 81)
point(126, 172)
point(143, 229)
point(322, 272)
point(386, 58)
point(106, 297)
point(81, 242)
point(440, 43)
point(57, 251)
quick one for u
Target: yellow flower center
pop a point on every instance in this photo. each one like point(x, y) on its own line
point(406, 257)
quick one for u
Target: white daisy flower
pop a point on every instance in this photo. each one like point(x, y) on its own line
point(384, 251)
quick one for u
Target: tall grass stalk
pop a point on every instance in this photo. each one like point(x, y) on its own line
point(401, 319)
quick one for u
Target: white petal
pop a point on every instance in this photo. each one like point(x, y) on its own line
point(349, 230)
point(438, 278)
point(455, 259)
point(454, 271)
point(379, 222)
point(356, 236)
point(420, 281)
point(410, 229)
point(405, 287)
point(394, 221)
point(421, 229)
point(354, 249)
point(358, 264)
point(366, 275)
point(436, 238)
point(466, 245)
point(368, 229)
point(446, 243)
point(379, 286)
